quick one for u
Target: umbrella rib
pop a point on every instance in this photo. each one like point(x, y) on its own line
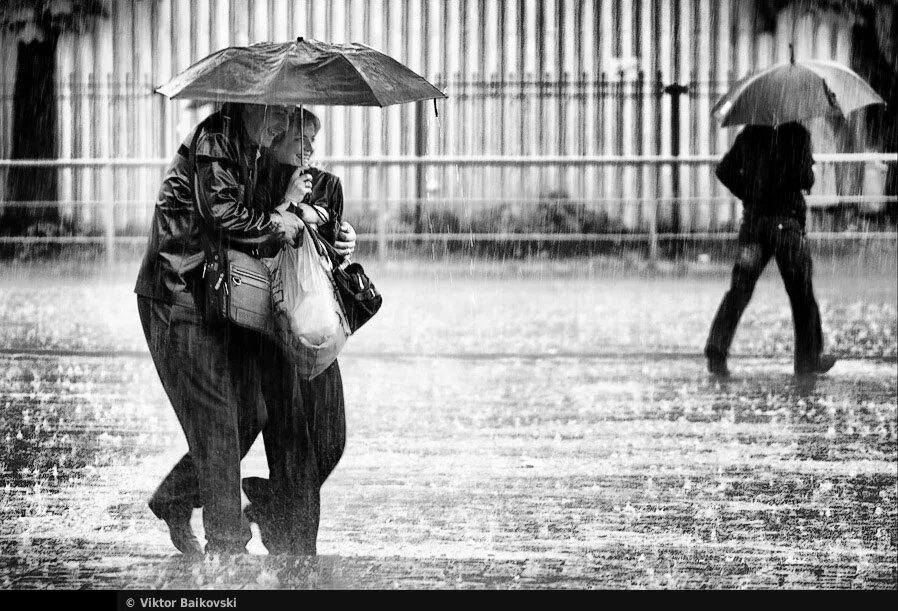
point(744, 85)
point(748, 81)
point(831, 64)
point(443, 96)
point(361, 76)
point(843, 69)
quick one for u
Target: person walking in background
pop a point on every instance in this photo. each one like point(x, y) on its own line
point(769, 169)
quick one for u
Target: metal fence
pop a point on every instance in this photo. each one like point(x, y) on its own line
point(384, 230)
point(625, 116)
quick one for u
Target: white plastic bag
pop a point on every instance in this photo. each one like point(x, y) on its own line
point(309, 321)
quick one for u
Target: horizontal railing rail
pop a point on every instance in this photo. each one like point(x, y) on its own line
point(812, 200)
point(722, 236)
point(382, 237)
point(449, 160)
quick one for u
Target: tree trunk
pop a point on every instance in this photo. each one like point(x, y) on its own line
point(33, 137)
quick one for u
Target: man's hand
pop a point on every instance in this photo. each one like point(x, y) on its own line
point(313, 215)
point(287, 226)
point(345, 242)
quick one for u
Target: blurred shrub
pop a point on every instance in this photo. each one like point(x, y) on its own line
point(552, 214)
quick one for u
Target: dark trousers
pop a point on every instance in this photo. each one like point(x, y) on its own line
point(227, 384)
point(760, 240)
point(305, 435)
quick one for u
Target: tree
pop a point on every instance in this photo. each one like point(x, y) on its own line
point(37, 25)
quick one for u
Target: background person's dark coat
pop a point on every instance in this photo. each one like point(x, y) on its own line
point(768, 168)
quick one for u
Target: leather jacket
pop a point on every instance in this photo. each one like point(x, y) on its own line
point(226, 161)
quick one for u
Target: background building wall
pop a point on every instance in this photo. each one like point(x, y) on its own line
point(524, 77)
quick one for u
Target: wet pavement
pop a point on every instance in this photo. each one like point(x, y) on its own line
point(499, 436)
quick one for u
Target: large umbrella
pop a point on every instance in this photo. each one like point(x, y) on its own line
point(301, 72)
point(794, 92)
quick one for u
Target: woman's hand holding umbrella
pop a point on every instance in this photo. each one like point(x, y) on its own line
point(299, 186)
point(289, 213)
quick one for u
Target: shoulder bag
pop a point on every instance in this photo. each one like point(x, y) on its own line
point(236, 286)
point(358, 297)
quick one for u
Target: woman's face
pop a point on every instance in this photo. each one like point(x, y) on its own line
point(296, 149)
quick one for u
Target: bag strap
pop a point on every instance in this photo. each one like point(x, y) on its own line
point(211, 254)
point(337, 260)
point(364, 290)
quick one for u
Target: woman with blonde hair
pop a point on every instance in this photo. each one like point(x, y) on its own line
point(305, 431)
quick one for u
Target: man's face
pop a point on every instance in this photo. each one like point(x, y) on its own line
point(265, 123)
point(296, 149)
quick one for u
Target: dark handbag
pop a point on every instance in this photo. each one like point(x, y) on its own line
point(357, 295)
point(237, 289)
point(236, 286)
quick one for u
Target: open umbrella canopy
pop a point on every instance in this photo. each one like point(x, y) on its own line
point(795, 92)
point(301, 72)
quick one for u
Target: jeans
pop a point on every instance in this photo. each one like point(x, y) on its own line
point(761, 239)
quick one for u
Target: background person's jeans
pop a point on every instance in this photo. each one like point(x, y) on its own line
point(760, 239)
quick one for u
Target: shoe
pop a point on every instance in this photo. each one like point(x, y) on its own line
point(182, 536)
point(270, 539)
point(225, 551)
point(305, 549)
point(825, 363)
point(717, 364)
point(258, 511)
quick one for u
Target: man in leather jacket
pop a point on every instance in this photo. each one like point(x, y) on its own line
point(209, 372)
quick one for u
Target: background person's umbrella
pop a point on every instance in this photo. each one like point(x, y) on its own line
point(795, 92)
point(301, 72)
